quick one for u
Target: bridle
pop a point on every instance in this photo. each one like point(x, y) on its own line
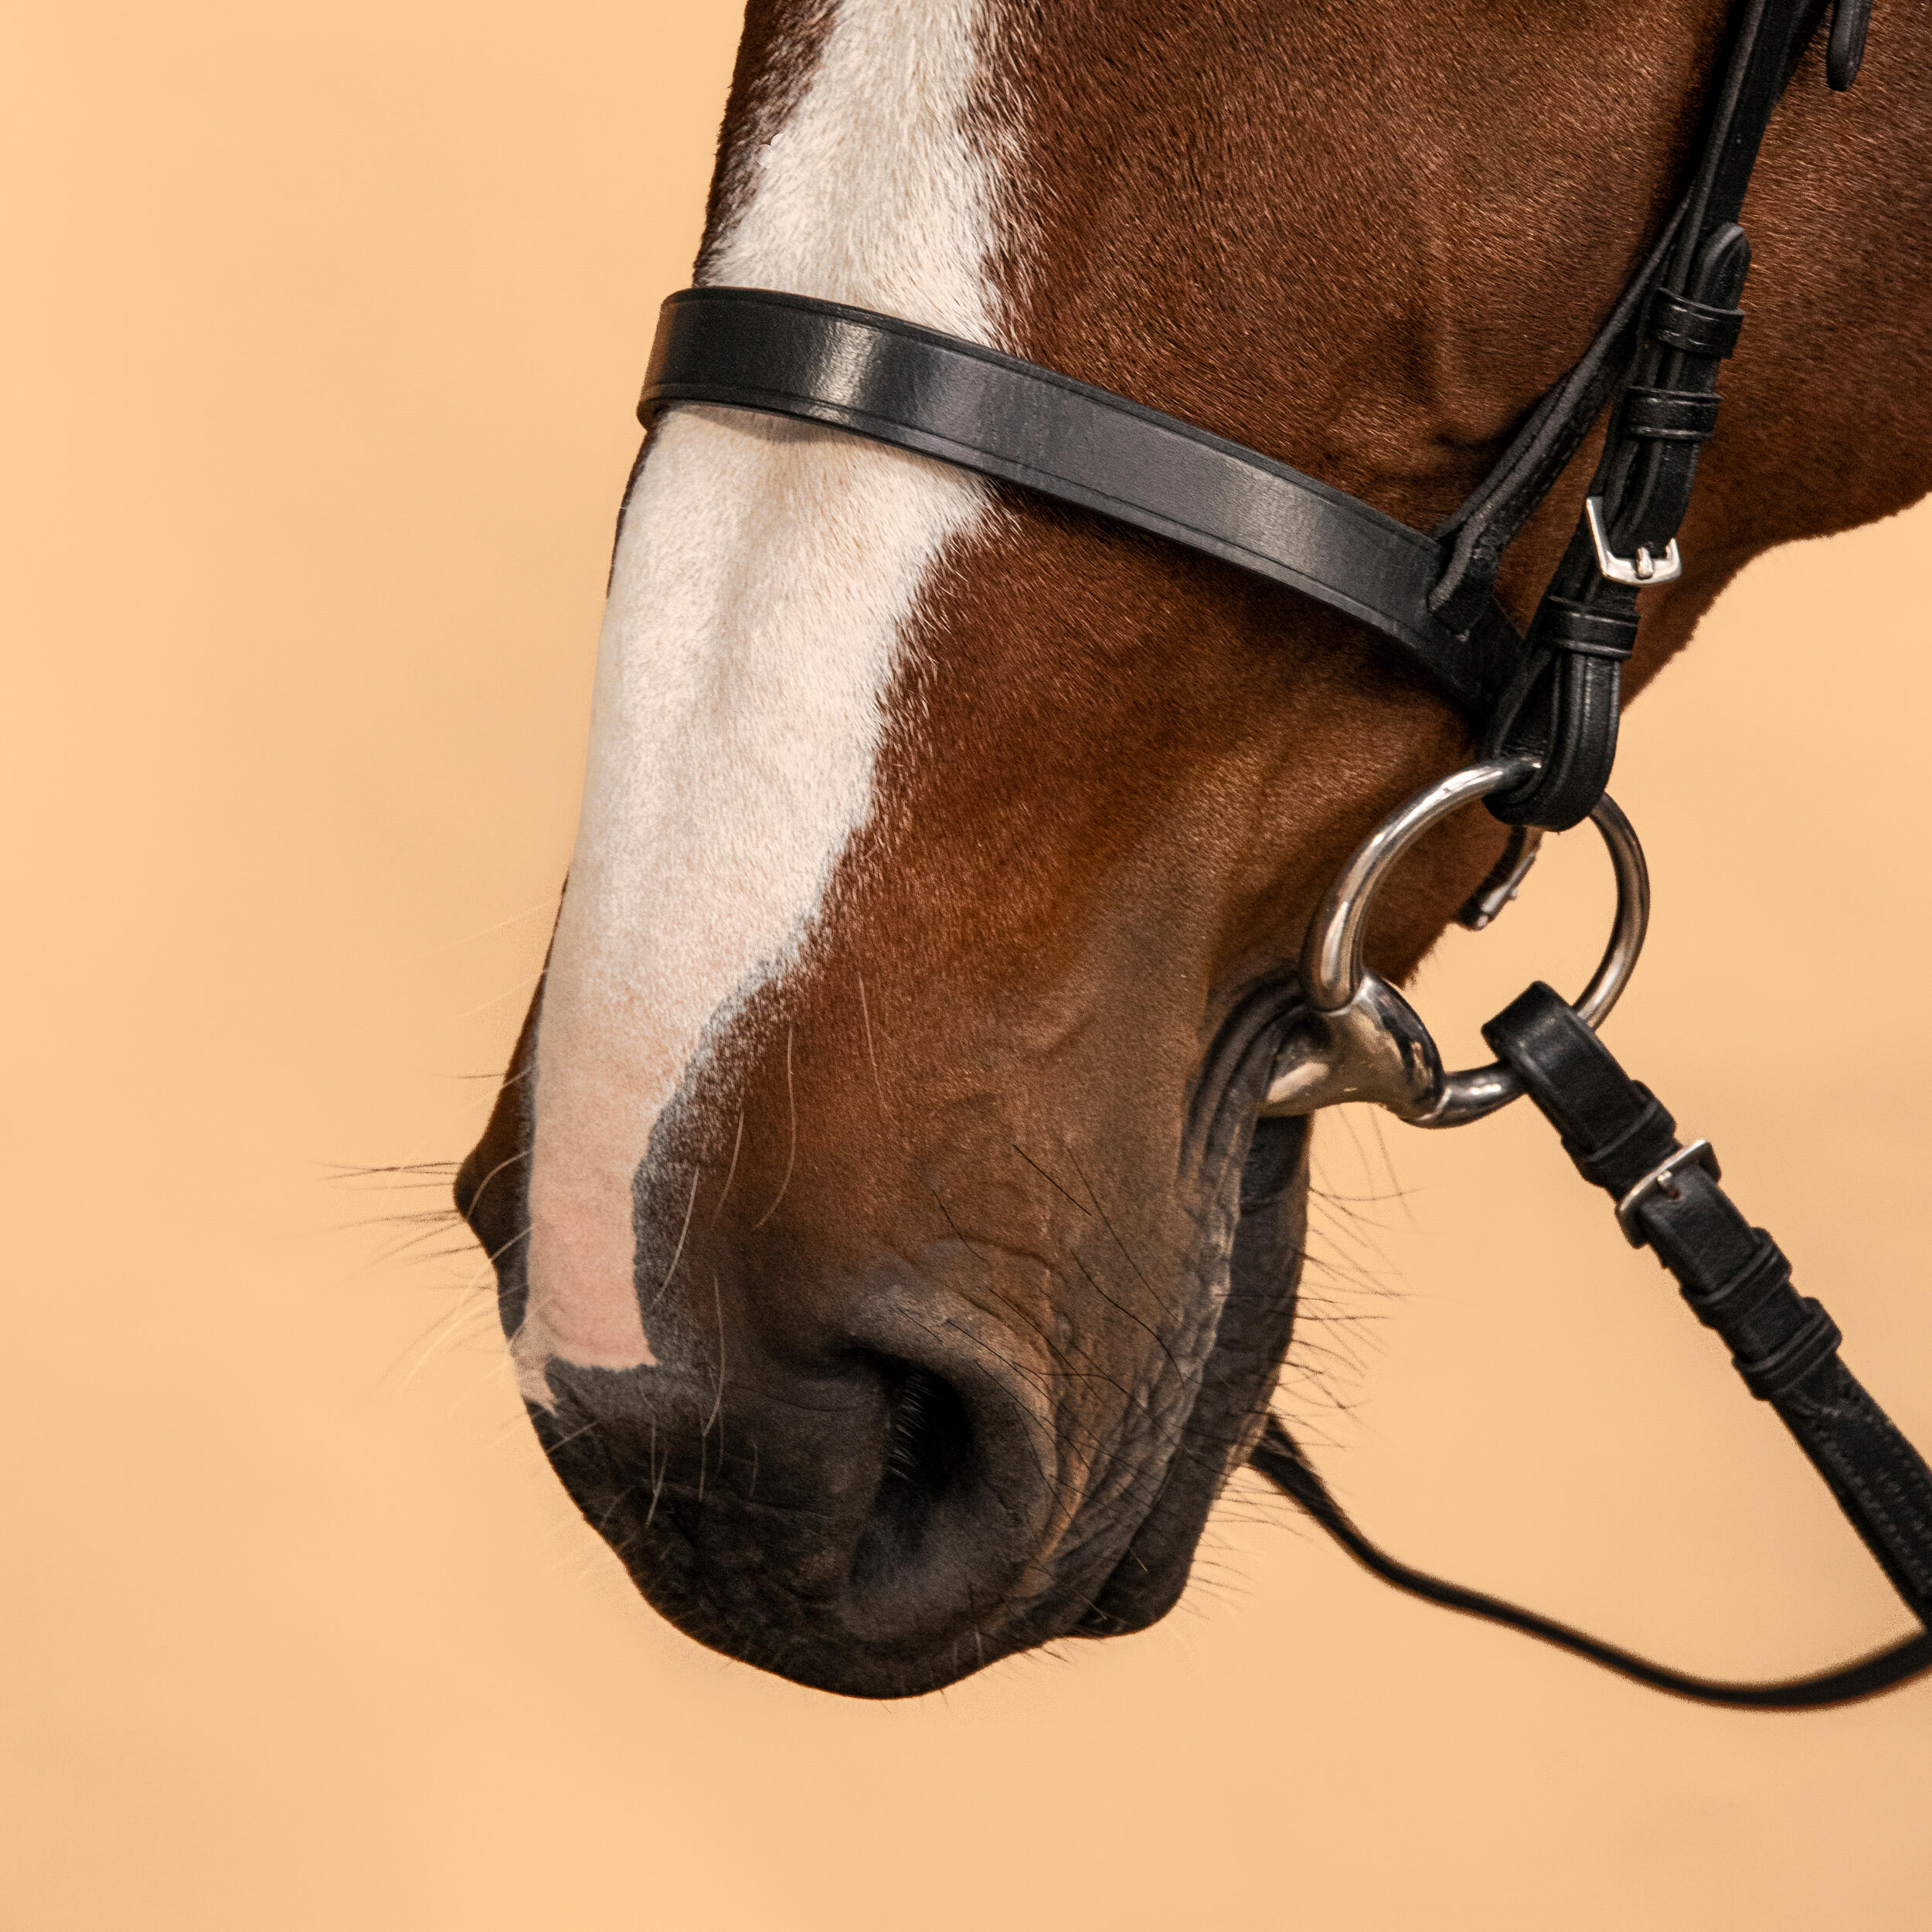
point(1547, 700)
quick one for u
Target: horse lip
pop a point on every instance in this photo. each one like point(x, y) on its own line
point(1256, 1323)
point(1148, 1576)
point(854, 1628)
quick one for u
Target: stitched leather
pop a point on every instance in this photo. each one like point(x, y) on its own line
point(1783, 1344)
point(1696, 327)
point(1649, 487)
point(1564, 708)
point(1280, 1457)
point(1643, 478)
point(1558, 700)
point(750, 348)
point(1776, 1376)
point(1737, 1299)
point(1561, 702)
point(1481, 529)
point(1599, 633)
point(1669, 415)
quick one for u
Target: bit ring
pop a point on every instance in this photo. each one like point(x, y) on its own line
point(1358, 1039)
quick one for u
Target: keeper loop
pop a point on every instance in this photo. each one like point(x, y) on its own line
point(1773, 1377)
point(1565, 625)
point(1619, 1164)
point(1731, 1303)
point(1697, 328)
point(1669, 415)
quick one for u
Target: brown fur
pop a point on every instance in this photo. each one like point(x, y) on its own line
point(994, 1124)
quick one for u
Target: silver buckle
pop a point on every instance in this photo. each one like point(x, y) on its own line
point(1642, 569)
point(1662, 1180)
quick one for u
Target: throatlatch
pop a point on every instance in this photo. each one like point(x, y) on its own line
point(1546, 702)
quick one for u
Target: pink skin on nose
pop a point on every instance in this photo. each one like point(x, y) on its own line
point(592, 1130)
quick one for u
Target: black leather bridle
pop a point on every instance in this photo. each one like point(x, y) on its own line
point(1548, 698)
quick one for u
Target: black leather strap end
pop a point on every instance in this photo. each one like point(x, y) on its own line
point(1613, 1127)
point(1844, 51)
point(1784, 1344)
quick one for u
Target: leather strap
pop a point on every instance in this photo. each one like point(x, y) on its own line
point(1679, 323)
point(1281, 1458)
point(1564, 716)
point(1481, 529)
point(918, 390)
point(1738, 1283)
point(1846, 47)
point(1558, 698)
point(1733, 1276)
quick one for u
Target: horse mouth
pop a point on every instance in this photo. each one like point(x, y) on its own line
point(751, 1531)
point(1230, 1407)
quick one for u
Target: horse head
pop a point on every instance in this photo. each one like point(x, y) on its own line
point(892, 1265)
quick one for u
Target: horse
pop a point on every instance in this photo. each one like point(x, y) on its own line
point(894, 1265)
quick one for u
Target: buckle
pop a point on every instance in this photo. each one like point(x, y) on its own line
point(1662, 1180)
point(1642, 569)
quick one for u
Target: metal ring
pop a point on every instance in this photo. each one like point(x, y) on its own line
point(1358, 1039)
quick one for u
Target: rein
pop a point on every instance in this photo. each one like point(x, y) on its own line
point(1546, 700)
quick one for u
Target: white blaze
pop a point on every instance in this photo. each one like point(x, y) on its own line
point(763, 577)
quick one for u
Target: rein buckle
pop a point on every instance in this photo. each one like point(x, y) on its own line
point(1662, 1180)
point(1643, 568)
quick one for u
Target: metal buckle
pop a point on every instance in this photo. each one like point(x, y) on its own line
point(1642, 569)
point(1662, 1180)
point(1358, 1039)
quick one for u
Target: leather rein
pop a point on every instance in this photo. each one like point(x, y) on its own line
point(1547, 700)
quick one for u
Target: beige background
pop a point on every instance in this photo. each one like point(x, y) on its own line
point(325, 330)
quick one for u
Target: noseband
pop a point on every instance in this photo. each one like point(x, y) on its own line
point(1546, 700)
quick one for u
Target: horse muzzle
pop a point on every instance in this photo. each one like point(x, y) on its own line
point(868, 1519)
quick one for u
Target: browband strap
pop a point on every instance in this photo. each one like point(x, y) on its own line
point(879, 377)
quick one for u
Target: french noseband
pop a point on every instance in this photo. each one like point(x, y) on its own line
point(1546, 700)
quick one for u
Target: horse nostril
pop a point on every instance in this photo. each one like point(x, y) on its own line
point(929, 1444)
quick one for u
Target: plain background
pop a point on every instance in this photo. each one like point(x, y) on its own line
point(325, 332)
